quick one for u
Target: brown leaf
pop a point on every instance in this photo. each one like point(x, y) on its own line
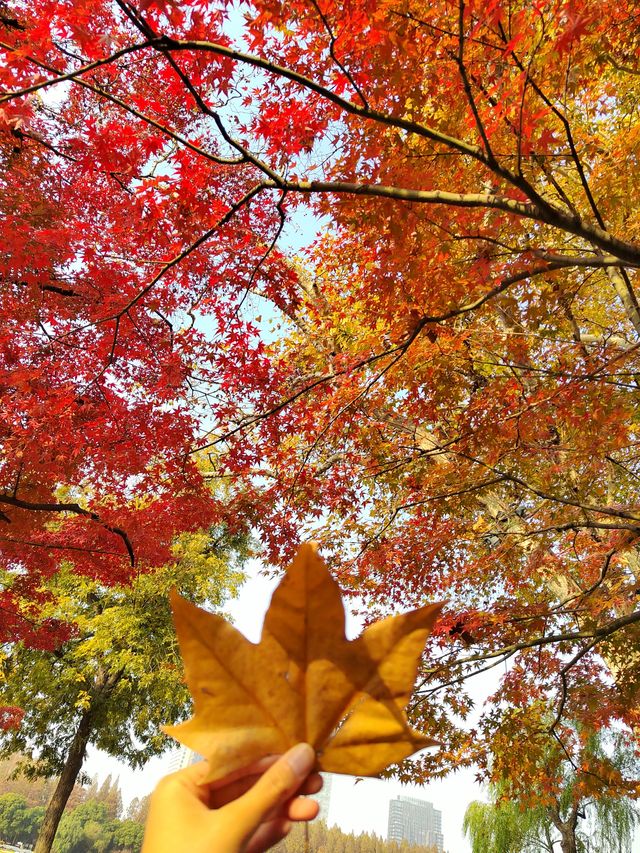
point(304, 681)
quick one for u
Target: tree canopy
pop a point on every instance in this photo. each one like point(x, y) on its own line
point(89, 828)
point(86, 828)
point(443, 388)
point(19, 822)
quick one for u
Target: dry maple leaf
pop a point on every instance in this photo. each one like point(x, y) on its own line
point(304, 681)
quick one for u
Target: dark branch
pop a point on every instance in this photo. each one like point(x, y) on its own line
point(76, 509)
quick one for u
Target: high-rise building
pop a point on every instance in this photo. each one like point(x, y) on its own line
point(415, 821)
point(181, 758)
point(323, 797)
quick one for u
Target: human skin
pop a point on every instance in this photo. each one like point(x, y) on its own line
point(246, 812)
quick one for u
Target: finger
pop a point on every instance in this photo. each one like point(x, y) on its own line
point(256, 768)
point(302, 808)
point(278, 784)
point(220, 796)
point(267, 835)
point(313, 785)
point(188, 781)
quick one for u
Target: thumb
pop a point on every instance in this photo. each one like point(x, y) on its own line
point(277, 785)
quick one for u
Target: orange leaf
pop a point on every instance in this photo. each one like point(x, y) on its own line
point(304, 681)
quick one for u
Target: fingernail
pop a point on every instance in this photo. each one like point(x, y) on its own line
point(301, 759)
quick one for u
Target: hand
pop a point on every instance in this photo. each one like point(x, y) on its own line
point(247, 812)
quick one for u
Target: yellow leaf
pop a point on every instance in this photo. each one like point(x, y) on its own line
point(304, 681)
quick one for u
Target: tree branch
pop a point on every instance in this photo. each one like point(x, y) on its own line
point(598, 633)
point(76, 509)
point(69, 75)
point(92, 87)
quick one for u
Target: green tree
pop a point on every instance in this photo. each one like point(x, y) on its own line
point(507, 828)
point(128, 836)
point(90, 829)
point(18, 822)
point(118, 676)
point(86, 829)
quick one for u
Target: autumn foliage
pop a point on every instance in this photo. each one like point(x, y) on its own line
point(448, 376)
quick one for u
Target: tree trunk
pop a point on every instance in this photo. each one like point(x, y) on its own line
point(66, 782)
point(103, 686)
point(566, 828)
point(568, 840)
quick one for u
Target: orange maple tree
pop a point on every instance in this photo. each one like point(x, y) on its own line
point(455, 378)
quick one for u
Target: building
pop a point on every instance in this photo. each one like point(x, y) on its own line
point(181, 758)
point(415, 821)
point(323, 797)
